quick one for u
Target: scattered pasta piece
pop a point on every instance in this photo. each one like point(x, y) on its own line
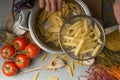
point(72, 66)
point(55, 56)
point(53, 78)
point(69, 70)
point(44, 56)
point(36, 76)
point(96, 50)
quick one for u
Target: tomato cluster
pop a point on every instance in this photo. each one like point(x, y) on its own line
point(18, 55)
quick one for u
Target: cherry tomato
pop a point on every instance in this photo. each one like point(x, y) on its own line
point(20, 43)
point(22, 61)
point(9, 68)
point(7, 51)
point(32, 50)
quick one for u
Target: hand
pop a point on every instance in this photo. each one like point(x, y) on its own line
point(116, 8)
point(50, 5)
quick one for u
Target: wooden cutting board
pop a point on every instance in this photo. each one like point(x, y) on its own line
point(95, 7)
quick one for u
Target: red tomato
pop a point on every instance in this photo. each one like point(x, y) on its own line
point(7, 51)
point(20, 43)
point(32, 50)
point(9, 68)
point(22, 61)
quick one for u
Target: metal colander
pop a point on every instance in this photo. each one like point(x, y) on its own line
point(63, 32)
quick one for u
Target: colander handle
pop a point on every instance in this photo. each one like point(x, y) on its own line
point(23, 19)
point(111, 29)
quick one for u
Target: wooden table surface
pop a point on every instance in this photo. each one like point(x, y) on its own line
point(95, 7)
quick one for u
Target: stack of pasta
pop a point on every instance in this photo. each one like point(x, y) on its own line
point(49, 23)
point(82, 38)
